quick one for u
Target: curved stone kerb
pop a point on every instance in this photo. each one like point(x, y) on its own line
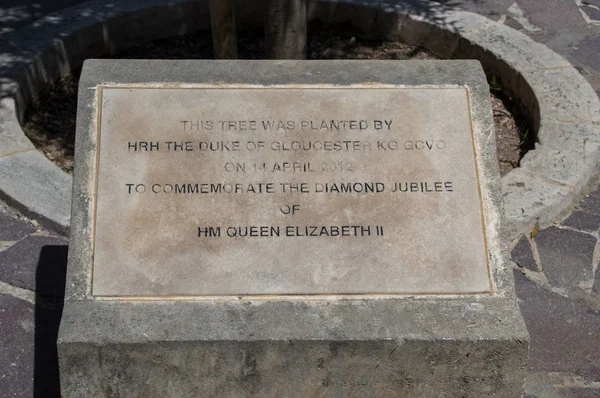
point(561, 104)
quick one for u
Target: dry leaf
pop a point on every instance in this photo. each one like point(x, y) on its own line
point(534, 231)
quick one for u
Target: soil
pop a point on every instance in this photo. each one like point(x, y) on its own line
point(50, 121)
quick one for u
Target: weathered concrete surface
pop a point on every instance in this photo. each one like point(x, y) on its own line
point(228, 348)
point(298, 369)
point(530, 200)
point(32, 183)
point(12, 138)
point(348, 336)
point(411, 162)
point(564, 166)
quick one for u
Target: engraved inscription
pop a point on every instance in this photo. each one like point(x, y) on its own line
point(287, 191)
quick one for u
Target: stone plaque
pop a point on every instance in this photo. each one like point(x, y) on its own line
point(218, 190)
point(235, 223)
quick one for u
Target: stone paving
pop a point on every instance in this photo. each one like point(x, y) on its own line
point(558, 286)
point(33, 264)
point(557, 274)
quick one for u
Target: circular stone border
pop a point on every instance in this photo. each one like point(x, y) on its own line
point(561, 105)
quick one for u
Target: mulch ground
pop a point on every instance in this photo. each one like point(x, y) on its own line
point(50, 121)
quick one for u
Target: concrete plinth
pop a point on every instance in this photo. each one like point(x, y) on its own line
point(330, 333)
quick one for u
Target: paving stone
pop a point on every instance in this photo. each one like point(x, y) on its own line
point(583, 221)
point(522, 254)
point(36, 263)
point(557, 385)
point(597, 281)
point(591, 204)
point(47, 321)
point(583, 52)
point(588, 52)
point(592, 13)
point(551, 14)
point(595, 192)
point(488, 8)
point(28, 351)
point(566, 256)
point(564, 334)
point(16, 347)
point(39, 186)
point(581, 392)
point(12, 229)
point(592, 2)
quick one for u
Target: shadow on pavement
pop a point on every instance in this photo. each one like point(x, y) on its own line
point(50, 292)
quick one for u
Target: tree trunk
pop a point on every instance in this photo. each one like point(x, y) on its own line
point(222, 22)
point(285, 29)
